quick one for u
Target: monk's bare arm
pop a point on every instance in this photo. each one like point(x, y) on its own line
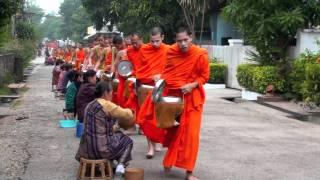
point(116, 61)
point(91, 56)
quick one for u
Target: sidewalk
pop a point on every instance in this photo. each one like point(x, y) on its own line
point(238, 141)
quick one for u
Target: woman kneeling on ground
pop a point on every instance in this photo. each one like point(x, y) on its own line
point(102, 138)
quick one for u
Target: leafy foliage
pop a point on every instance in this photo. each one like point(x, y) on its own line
point(75, 20)
point(37, 12)
point(25, 30)
point(50, 28)
point(23, 49)
point(311, 86)
point(257, 78)
point(264, 76)
point(271, 25)
point(7, 9)
point(218, 73)
point(141, 15)
point(245, 75)
point(304, 78)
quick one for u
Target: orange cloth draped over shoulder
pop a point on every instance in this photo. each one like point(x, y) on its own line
point(108, 60)
point(183, 68)
point(67, 56)
point(151, 63)
point(96, 51)
point(80, 54)
point(134, 58)
point(61, 54)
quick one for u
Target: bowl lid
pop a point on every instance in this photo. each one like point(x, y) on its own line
point(125, 68)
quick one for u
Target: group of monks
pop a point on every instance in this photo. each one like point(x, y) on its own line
point(183, 66)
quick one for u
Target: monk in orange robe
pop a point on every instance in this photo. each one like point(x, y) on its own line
point(134, 58)
point(152, 61)
point(185, 73)
point(68, 55)
point(107, 56)
point(80, 54)
point(133, 50)
point(61, 53)
point(121, 54)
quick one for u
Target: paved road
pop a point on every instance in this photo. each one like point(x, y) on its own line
point(238, 141)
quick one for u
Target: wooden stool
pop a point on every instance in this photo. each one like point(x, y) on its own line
point(134, 174)
point(95, 169)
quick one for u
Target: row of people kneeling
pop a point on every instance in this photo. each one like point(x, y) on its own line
point(183, 66)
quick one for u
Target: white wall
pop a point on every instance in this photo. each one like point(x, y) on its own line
point(232, 56)
point(306, 40)
point(236, 53)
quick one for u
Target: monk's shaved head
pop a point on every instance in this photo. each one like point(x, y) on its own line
point(138, 35)
point(183, 30)
point(136, 40)
point(118, 42)
point(156, 37)
point(155, 31)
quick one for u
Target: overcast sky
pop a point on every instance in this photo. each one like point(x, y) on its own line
point(49, 5)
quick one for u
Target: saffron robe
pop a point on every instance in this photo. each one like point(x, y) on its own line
point(80, 54)
point(151, 63)
point(183, 68)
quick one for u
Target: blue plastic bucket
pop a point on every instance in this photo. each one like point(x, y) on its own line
point(68, 123)
point(79, 130)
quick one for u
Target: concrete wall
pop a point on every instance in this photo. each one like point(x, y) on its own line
point(237, 53)
point(232, 56)
point(6, 65)
point(306, 40)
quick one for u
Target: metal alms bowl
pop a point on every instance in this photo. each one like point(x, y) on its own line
point(125, 68)
point(158, 90)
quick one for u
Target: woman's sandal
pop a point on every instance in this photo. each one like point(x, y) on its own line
point(21, 117)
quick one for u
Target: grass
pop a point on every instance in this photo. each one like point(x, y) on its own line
point(4, 91)
point(16, 103)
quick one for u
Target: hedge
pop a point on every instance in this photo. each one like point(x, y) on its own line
point(311, 86)
point(299, 74)
point(257, 78)
point(218, 73)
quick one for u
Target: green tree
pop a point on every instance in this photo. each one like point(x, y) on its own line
point(271, 25)
point(50, 28)
point(75, 20)
point(141, 15)
point(36, 11)
point(7, 9)
point(103, 11)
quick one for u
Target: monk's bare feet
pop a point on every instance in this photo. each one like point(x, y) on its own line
point(158, 147)
point(190, 176)
point(150, 155)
